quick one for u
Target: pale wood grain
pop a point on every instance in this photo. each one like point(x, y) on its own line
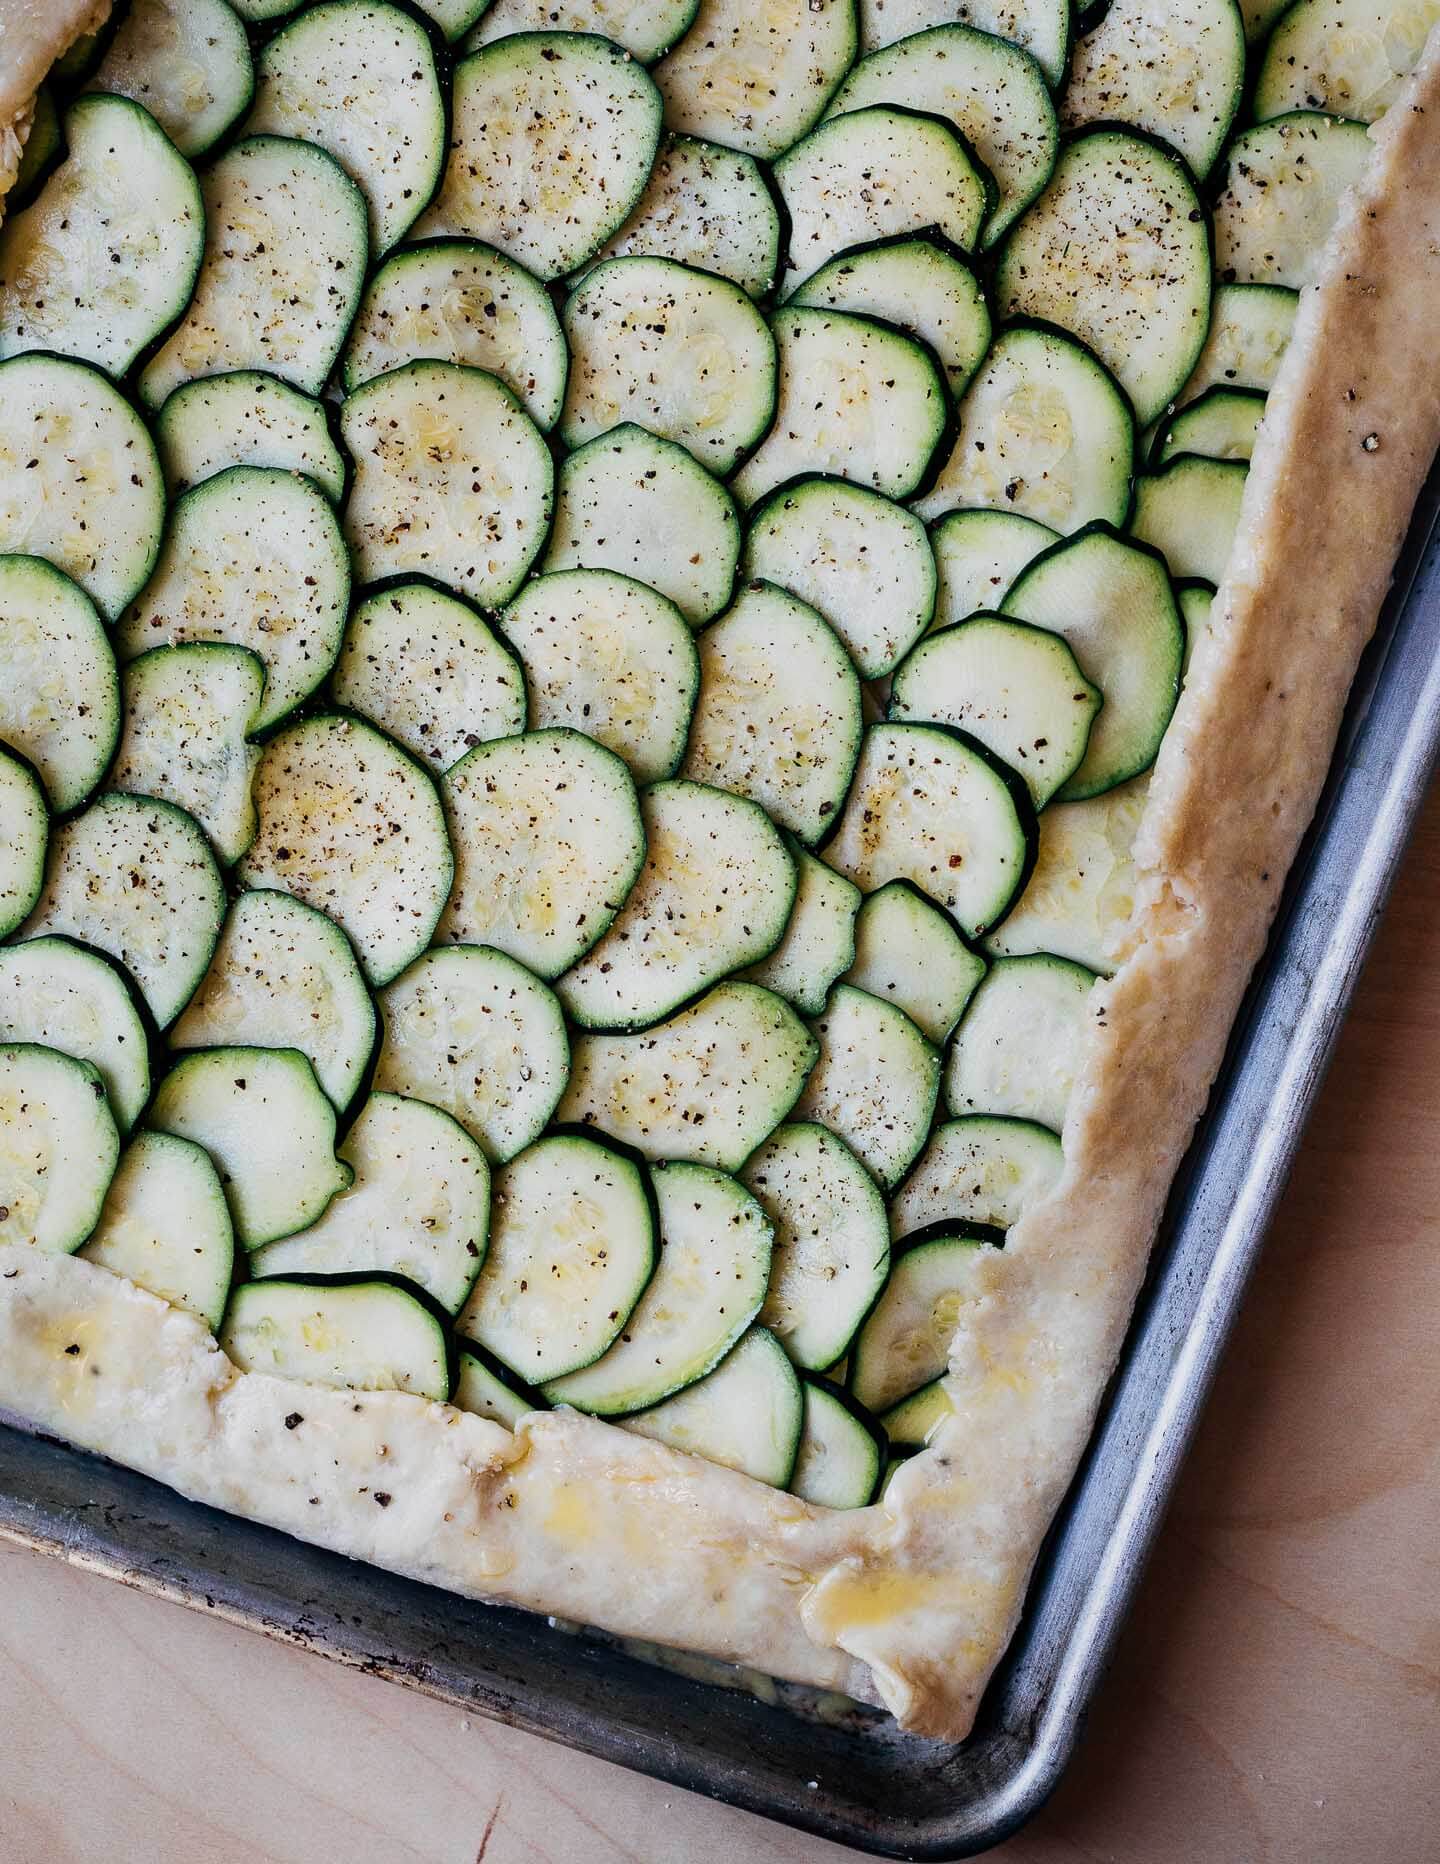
point(1276, 1699)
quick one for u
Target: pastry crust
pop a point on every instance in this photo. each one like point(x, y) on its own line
point(910, 1602)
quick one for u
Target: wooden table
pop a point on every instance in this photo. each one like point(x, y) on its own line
point(1276, 1697)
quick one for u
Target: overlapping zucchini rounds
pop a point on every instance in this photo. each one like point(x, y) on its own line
point(587, 596)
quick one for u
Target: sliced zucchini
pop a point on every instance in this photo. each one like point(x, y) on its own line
point(551, 140)
point(907, 952)
point(644, 507)
point(856, 398)
point(1188, 511)
point(684, 353)
point(255, 557)
point(644, 28)
point(1018, 1047)
point(863, 563)
point(1259, 16)
point(875, 1083)
point(418, 1206)
point(708, 1084)
point(992, 91)
point(1250, 326)
point(778, 717)
point(245, 418)
point(357, 78)
point(979, 1169)
point(24, 835)
point(134, 877)
point(285, 252)
point(610, 657)
point(79, 59)
point(841, 1450)
point(452, 17)
point(1113, 603)
point(43, 146)
point(707, 207)
point(709, 1281)
point(978, 554)
point(105, 257)
point(455, 300)
point(918, 285)
point(64, 997)
point(747, 1414)
point(364, 1336)
point(1327, 56)
point(452, 480)
point(874, 173)
point(819, 941)
point(261, 1115)
point(757, 90)
point(905, 1341)
point(285, 976)
point(911, 1423)
point(1041, 27)
point(166, 1226)
point(260, 12)
point(1284, 182)
point(1044, 433)
point(482, 1388)
point(428, 670)
point(932, 807)
point(715, 894)
point(1221, 424)
point(188, 63)
point(832, 1245)
point(349, 823)
point(80, 482)
point(60, 698)
point(896, 1459)
point(548, 842)
point(58, 1148)
point(1117, 252)
point(472, 1032)
point(572, 1247)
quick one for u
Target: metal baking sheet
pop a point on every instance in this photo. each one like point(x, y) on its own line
point(851, 1775)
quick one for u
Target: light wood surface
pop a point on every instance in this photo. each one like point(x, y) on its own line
point(1276, 1697)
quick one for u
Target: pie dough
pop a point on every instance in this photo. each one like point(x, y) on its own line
point(911, 1602)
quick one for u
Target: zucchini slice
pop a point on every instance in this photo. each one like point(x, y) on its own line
point(684, 353)
point(993, 92)
point(910, 1424)
point(246, 418)
point(842, 1451)
point(907, 952)
point(60, 698)
point(875, 1083)
point(1250, 327)
point(418, 1206)
point(62, 996)
point(1117, 252)
point(1040, 27)
point(364, 1336)
point(572, 1248)
point(646, 508)
point(905, 1341)
point(643, 28)
point(58, 1147)
point(978, 554)
point(1188, 511)
point(1196, 600)
point(455, 300)
point(548, 842)
point(709, 1281)
point(1113, 603)
point(707, 1085)
point(1284, 182)
point(350, 824)
point(425, 667)
point(453, 480)
point(285, 976)
point(832, 1245)
point(43, 146)
point(757, 91)
point(1044, 433)
point(714, 894)
point(80, 481)
point(260, 12)
point(1017, 1049)
point(185, 61)
point(134, 877)
point(472, 1032)
point(105, 257)
point(261, 1115)
point(980, 1169)
point(747, 1414)
point(1221, 424)
point(706, 207)
point(1259, 16)
point(856, 398)
point(451, 17)
point(612, 658)
point(551, 140)
point(166, 1226)
point(863, 563)
point(285, 252)
point(187, 712)
point(778, 717)
point(482, 1388)
point(819, 941)
point(934, 808)
point(1327, 56)
point(24, 836)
